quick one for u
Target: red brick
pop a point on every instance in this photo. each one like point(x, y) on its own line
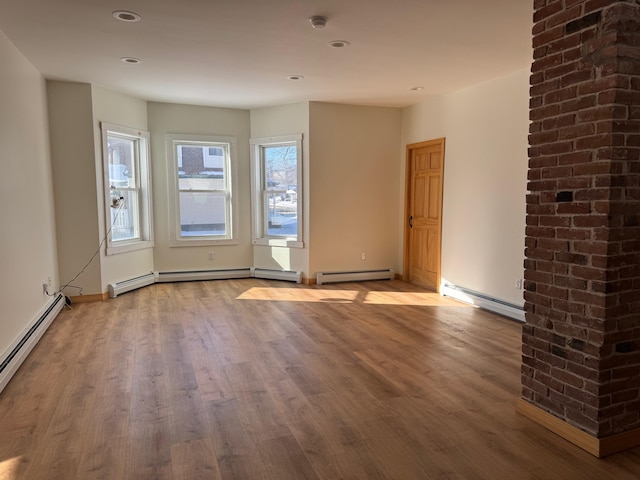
point(547, 11)
point(582, 257)
point(574, 208)
point(542, 64)
point(559, 121)
point(548, 36)
point(574, 183)
point(564, 16)
point(577, 104)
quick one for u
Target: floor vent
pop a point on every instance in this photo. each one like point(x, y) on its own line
point(18, 351)
point(286, 275)
point(117, 288)
point(356, 276)
point(486, 302)
point(190, 276)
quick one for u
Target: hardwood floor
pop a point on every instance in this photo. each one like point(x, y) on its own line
point(251, 379)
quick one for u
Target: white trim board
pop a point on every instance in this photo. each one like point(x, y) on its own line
point(481, 300)
point(20, 348)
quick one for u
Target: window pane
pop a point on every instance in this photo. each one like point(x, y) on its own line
point(202, 213)
point(124, 218)
point(121, 152)
point(280, 168)
point(282, 214)
point(214, 158)
point(201, 162)
point(201, 183)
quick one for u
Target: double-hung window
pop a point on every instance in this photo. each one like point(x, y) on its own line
point(127, 183)
point(200, 173)
point(277, 187)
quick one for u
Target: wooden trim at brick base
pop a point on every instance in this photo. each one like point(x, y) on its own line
point(598, 447)
point(97, 297)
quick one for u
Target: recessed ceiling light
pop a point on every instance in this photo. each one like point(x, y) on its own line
point(339, 43)
point(130, 60)
point(416, 89)
point(126, 16)
point(295, 77)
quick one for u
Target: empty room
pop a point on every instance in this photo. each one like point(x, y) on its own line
point(328, 240)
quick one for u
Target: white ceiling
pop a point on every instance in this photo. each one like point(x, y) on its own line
point(238, 53)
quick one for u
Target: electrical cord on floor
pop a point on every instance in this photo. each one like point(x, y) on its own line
point(118, 203)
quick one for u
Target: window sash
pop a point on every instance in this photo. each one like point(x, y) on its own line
point(129, 206)
point(129, 209)
point(276, 221)
point(126, 175)
point(200, 179)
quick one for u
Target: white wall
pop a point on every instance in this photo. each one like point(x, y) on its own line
point(284, 120)
point(28, 241)
point(354, 187)
point(130, 112)
point(486, 128)
point(74, 177)
point(166, 118)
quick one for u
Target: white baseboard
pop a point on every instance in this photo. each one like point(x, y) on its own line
point(198, 275)
point(355, 276)
point(481, 300)
point(18, 351)
point(117, 288)
point(286, 275)
point(190, 276)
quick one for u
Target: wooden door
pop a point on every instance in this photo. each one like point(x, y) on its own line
point(423, 209)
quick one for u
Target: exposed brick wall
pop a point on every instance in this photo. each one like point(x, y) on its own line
point(581, 343)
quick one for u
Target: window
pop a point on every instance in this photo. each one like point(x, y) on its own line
point(277, 181)
point(201, 209)
point(127, 188)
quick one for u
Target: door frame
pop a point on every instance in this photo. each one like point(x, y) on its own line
point(407, 202)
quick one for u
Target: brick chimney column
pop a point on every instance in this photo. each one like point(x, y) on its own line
point(581, 340)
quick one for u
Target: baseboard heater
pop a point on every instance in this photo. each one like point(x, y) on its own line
point(481, 300)
point(117, 288)
point(286, 275)
point(20, 349)
point(355, 276)
point(195, 275)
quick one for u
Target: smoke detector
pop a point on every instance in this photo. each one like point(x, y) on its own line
point(318, 21)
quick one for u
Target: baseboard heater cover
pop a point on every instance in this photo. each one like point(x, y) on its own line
point(117, 288)
point(355, 276)
point(20, 349)
point(194, 275)
point(481, 300)
point(286, 275)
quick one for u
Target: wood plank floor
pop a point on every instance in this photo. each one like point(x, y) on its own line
point(252, 379)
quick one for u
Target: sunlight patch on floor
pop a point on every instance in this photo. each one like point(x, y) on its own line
point(299, 295)
point(412, 298)
point(9, 468)
point(315, 295)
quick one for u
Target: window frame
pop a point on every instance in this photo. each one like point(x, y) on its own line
point(258, 192)
point(142, 166)
point(176, 239)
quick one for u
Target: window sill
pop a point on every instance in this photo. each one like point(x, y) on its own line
point(278, 242)
point(200, 242)
point(128, 247)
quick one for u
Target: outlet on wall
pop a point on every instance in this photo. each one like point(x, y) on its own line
point(518, 285)
point(363, 256)
point(211, 256)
